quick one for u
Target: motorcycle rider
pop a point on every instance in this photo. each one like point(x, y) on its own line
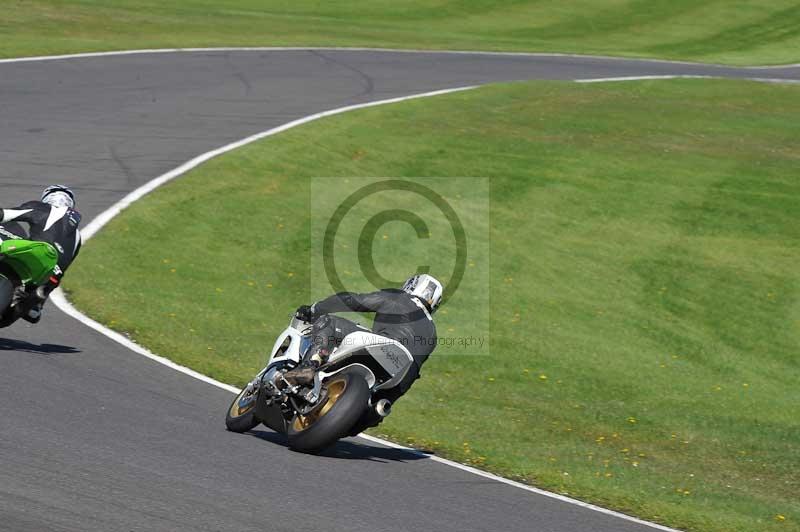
point(404, 315)
point(53, 219)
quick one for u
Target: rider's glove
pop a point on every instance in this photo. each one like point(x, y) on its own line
point(305, 313)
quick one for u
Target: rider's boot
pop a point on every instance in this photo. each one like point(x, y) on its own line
point(304, 373)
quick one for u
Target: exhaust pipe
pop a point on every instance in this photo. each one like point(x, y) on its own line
point(383, 407)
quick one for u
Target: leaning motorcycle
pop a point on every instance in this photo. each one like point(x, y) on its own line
point(342, 396)
point(26, 266)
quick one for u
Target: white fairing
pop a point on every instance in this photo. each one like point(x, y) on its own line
point(293, 335)
point(390, 354)
point(361, 369)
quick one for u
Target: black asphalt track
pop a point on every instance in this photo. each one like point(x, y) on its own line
point(96, 437)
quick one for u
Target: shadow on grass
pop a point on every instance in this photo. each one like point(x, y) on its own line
point(349, 449)
point(7, 344)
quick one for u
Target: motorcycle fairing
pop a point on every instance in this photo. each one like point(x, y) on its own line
point(390, 354)
point(292, 343)
point(32, 261)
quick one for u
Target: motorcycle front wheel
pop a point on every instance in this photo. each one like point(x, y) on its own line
point(241, 415)
point(347, 397)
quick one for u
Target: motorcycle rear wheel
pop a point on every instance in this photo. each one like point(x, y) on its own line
point(6, 293)
point(348, 396)
point(240, 419)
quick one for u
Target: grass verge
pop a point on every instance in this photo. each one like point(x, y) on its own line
point(745, 32)
point(646, 299)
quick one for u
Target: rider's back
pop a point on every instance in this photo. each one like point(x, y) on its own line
point(55, 225)
point(397, 315)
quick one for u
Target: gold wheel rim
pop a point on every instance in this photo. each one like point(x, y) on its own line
point(235, 411)
point(335, 391)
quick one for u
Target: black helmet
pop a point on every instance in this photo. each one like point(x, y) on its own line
point(59, 196)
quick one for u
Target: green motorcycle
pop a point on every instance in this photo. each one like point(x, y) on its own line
point(26, 267)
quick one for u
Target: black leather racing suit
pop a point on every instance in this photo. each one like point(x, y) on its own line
point(46, 223)
point(398, 316)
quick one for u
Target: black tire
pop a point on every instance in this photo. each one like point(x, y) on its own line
point(6, 293)
point(348, 396)
point(241, 420)
point(6, 296)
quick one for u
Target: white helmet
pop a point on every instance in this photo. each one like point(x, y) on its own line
point(59, 196)
point(426, 288)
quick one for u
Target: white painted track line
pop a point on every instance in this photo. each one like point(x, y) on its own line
point(639, 78)
point(679, 76)
point(367, 49)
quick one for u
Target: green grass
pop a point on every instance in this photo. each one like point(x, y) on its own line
point(645, 292)
point(741, 32)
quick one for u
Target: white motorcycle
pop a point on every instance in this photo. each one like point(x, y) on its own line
point(340, 398)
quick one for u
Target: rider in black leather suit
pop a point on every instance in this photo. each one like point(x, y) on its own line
point(403, 315)
point(53, 220)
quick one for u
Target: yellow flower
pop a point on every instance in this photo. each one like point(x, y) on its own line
point(543, 377)
point(780, 517)
point(631, 419)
